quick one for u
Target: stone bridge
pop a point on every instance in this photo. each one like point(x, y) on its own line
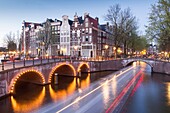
point(45, 73)
point(157, 66)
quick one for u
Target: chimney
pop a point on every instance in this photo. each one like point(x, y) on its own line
point(86, 14)
point(97, 19)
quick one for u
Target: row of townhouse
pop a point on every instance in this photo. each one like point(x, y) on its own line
point(82, 37)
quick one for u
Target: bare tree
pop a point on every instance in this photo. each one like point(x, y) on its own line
point(123, 23)
point(10, 41)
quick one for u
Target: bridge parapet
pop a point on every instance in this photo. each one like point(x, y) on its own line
point(157, 66)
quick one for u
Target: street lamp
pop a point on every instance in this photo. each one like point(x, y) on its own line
point(114, 48)
point(106, 47)
point(75, 49)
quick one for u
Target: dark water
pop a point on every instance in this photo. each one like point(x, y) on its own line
point(30, 97)
point(152, 94)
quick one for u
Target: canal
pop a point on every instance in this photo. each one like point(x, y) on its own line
point(30, 97)
point(151, 94)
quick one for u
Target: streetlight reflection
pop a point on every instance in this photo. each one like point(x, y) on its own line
point(28, 105)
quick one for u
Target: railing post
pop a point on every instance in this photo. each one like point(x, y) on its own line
point(33, 61)
point(13, 63)
point(48, 59)
point(24, 62)
point(41, 60)
point(2, 65)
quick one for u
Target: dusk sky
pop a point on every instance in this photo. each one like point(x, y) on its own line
point(13, 12)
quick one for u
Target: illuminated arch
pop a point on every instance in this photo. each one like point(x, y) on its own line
point(81, 64)
point(59, 65)
point(14, 80)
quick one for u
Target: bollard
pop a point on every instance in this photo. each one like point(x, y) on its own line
point(2, 65)
point(41, 60)
point(48, 59)
point(33, 61)
point(56, 78)
point(24, 61)
point(13, 63)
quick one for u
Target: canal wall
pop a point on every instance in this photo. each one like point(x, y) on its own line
point(161, 67)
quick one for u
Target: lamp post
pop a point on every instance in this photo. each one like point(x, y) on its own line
point(75, 50)
point(106, 47)
point(114, 49)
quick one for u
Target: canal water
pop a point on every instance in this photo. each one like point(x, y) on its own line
point(30, 97)
point(151, 94)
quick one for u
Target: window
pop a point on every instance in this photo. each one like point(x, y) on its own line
point(87, 30)
point(86, 47)
point(86, 19)
point(78, 33)
point(67, 39)
point(90, 38)
point(61, 39)
point(82, 30)
point(90, 30)
point(75, 24)
point(86, 24)
point(86, 38)
point(83, 40)
point(64, 39)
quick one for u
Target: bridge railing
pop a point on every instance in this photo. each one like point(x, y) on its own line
point(31, 62)
point(38, 61)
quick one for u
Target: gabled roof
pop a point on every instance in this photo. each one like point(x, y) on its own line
point(27, 24)
point(51, 20)
point(103, 27)
point(80, 19)
point(94, 21)
point(70, 22)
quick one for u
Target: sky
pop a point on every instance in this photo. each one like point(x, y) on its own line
point(13, 12)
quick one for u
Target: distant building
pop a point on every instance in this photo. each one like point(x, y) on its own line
point(76, 36)
point(28, 36)
point(65, 35)
point(82, 37)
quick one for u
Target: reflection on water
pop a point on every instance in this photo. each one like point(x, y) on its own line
point(56, 93)
point(168, 93)
point(30, 97)
point(106, 94)
point(26, 105)
point(151, 95)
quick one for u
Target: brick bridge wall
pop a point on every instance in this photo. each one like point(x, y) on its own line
point(9, 77)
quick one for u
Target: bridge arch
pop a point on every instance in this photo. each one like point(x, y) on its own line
point(61, 66)
point(83, 67)
point(140, 61)
point(12, 85)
